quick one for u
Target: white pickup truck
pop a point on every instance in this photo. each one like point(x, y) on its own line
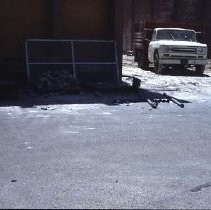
point(176, 47)
point(168, 44)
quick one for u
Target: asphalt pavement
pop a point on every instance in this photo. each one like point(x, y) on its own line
point(106, 156)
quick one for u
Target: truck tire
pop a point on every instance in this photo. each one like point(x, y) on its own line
point(158, 68)
point(200, 69)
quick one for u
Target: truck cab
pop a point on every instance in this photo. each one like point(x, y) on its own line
point(176, 47)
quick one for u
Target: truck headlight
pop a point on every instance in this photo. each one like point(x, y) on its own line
point(201, 50)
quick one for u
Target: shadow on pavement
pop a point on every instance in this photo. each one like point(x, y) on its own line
point(185, 72)
point(126, 94)
point(181, 72)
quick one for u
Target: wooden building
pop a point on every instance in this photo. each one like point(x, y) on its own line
point(181, 11)
point(70, 19)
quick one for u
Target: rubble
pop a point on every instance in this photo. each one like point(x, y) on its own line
point(56, 80)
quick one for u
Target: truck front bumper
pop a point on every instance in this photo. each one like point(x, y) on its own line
point(183, 61)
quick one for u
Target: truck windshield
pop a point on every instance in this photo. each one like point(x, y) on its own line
point(177, 35)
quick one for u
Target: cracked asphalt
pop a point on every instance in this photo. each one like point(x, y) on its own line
point(106, 156)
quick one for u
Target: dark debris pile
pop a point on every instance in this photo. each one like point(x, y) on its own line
point(57, 80)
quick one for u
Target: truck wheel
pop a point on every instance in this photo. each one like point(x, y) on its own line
point(200, 69)
point(158, 68)
point(179, 69)
point(143, 64)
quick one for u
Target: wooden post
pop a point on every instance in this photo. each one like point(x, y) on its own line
point(118, 31)
point(128, 24)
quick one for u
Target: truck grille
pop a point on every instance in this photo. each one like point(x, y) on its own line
point(184, 49)
point(181, 57)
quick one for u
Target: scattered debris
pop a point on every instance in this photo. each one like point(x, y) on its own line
point(159, 100)
point(148, 99)
point(200, 187)
point(153, 103)
point(48, 108)
point(174, 100)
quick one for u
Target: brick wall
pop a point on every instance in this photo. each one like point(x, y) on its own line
point(181, 11)
point(142, 10)
point(187, 11)
point(206, 16)
point(163, 10)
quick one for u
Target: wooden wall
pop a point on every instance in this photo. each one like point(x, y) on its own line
point(21, 19)
point(78, 19)
point(73, 19)
point(86, 19)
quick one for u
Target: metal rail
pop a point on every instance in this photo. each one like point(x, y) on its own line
point(72, 59)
